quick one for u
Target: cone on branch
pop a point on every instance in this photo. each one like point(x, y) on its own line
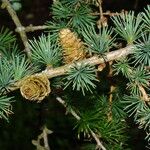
point(35, 87)
point(73, 48)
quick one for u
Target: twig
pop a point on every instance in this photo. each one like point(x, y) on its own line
point(102, 22)
point(112, 88)
point(108, 13)
point(42, 136)
point(147, 68)
point(145, 96)
point(71, 111)
point(18, 24)
point(100, 9)
point(95, 60)
point(99, 144)
point(45, 133)
point(31, 28)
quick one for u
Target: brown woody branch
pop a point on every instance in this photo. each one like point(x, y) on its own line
point(145, 96)
point(43, 136)
point(31, 28)
point(18, 24)
point(95, 137)
point(108, 13)
point(95, 60)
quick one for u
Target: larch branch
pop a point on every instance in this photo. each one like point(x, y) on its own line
point(18, 24)
point(31, 28)
point(95, 137)
point(95, 60)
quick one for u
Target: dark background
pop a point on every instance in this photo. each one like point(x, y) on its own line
point(25, 124)
point(36, 12)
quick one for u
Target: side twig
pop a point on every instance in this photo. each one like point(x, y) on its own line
point(103, 21)
point(107, 13)
point(100, 9)
point(43, 136)
point(99, 144)
point(31, 28)
point(95, 60)
point(145, 96)
point(18, 24)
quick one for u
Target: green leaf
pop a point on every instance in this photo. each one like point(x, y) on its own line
point(6, 74)
point(139, 77)
point(98, 43)
point(76, 16)
point(112, 132)
point(133, 104)
point(81, 77)
point(45, 50)
point(82, 17)
point(6, 38)
point(143, 118)
point(128, 26)
point(5, 107)
point(117, 106)
point(146, 17)
point(11, 51)
point(141, 54)
point(122, 66)
point(55, 26)
point(89, 122)
point(22, 67)
point(61, 11)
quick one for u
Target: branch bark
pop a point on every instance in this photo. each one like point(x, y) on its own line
point(18, 24)
point(100, 9)
point(95, 137)
point(95, 60)
point(43, 136)
point(31, 28)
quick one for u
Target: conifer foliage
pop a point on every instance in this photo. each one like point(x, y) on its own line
point(72, 47)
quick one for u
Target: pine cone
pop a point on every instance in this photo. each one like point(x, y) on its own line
point(73, 48)
point(35, 87)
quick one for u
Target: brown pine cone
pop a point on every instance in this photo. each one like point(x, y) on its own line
point(35, 87)
point(73, 48)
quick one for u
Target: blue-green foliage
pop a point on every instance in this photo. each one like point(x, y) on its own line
point(98, 42)
point(22, 67)
point(81, 77)
point(6, 74)
point(6, 39)
point(146, 17)
point(139, 77)
point(13, 67)
point(128, 26)
point(141, 54)
point(73, 14)
point(45, 51)
point(94, 118)
point(5, 107)
point(122, 66)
